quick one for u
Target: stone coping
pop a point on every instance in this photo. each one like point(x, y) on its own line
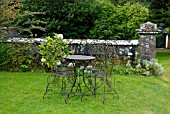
point(75, 41)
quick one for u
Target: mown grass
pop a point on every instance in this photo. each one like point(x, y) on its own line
point(23, 92)
point(164, 59)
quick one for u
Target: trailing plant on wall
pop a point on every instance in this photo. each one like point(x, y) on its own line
point(53, 50)
point(4, 51)
point(17, 57)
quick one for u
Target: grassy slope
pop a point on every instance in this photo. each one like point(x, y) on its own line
point(22, 93)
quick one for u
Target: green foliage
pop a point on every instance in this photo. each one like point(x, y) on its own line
point(160, 12)
point(22, 58)
point(31, 21)
point(18, 57)
point(122, 2)
point(152, 67)
point(131, 16)
point(119, 22)
point(8, 11)
point(106, 23)
point(121, 70)
point(4, 51)
point(74, 18)
point(53, 50)
point(167, 29)
point(81, 19)
point(138, 67)
point(146, 67)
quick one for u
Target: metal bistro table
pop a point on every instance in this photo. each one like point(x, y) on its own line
point(75, 59)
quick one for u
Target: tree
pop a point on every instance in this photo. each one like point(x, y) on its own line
point(119, 22)
point(160, 12)
point(122, 2)
point(9, 10)
point(31, 20)
point(73, 18)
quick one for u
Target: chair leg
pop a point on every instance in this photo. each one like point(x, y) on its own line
point(47, 87)
point(104, 96)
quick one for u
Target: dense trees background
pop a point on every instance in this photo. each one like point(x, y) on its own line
point(160, 12)
point(82, 19)
point(79, 19)
point(119, 22)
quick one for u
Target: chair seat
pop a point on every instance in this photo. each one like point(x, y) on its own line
point(63, 74)
point(63, 71)
point(92, 68)
point(101, 75)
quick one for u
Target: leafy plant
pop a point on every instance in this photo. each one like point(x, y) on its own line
point(4, 52)
point(119, 22)
point(53, 50)
point(145, 67)
point(9, 10)
point(160, 12)
point(22, 57)
point(152, 67)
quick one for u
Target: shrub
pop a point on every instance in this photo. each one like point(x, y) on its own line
point(146, 67)
point(18, 57)
point(74, 18)
point(82, 19)
point(152, 67)
point(53, 50)
point(119, 22)
point(4, 52)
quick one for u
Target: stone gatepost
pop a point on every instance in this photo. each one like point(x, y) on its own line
point(147, 41)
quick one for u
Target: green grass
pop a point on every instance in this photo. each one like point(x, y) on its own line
point(164, 59)
point(23, 92)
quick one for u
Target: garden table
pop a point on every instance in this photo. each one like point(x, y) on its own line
point(75, 60)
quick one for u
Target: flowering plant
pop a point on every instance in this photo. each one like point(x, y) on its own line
point(53, 50)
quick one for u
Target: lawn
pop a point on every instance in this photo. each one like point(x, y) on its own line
point(23, 92)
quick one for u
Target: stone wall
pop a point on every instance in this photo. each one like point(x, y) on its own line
point(111, 48)
point(145, 46)
point(147, 41)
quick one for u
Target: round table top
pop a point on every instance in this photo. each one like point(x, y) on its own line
point(79, 57)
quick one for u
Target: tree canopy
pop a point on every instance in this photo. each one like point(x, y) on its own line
point(82, 19)
point(160, 12)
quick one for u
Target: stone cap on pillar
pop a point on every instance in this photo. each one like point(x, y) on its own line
point(148, 28)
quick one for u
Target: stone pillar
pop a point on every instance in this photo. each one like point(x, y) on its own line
point(147, 41)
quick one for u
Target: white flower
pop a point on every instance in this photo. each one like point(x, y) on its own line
point(60, 36)
point(120, 52)
point(130, 47)
point(130, 54)
point(58, 63)
point(43, 60)
point(71, 65)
